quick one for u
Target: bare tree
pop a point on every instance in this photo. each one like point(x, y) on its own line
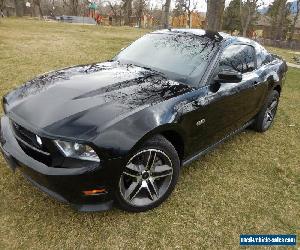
point(166, 14)
point(279, 12)
point(113, 8)
point(73, 5)
point(214, 14)
point(127, 8)
point(38, 4)
point(188, 6)
point(19, 5)
point(2, 4)
point(248, 11)
point(139, 8)
point(295, 19)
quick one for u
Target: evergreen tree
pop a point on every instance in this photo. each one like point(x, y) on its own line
point(231, 17)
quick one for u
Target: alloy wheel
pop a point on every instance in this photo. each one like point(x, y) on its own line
point(270, 113)
point(146, 177)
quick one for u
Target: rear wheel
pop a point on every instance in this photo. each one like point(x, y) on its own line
point(149, 177)
point(266, 116)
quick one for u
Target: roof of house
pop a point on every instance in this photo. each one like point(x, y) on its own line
point(265, 20)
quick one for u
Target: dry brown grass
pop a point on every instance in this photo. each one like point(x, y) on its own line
point(250, 184)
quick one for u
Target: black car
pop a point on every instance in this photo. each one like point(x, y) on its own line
point(119, 131)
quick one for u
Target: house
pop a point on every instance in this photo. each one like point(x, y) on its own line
point(146, 20)
point(263, 28)
point(197, 20)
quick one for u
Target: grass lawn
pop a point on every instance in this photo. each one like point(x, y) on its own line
point(250, 184)
point(287, 54)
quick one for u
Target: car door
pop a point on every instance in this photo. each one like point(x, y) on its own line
point(243, 98)
point(221, 108)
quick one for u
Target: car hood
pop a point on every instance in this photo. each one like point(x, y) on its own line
point(77, 101)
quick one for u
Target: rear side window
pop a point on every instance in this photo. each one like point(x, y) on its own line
point(238, 57)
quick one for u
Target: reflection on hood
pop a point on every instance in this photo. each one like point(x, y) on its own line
point(107, 91)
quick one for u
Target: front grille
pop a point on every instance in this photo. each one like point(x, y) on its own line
point(26, 136)
point(29, 143)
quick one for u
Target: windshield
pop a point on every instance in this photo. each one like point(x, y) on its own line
point(178, 54)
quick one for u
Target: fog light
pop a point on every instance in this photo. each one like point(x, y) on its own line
point(94, 191)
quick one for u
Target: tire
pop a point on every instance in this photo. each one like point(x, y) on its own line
point(266, 115)
point(149, 177)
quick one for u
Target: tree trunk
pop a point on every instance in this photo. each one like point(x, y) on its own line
point(245, 25)
point(74, 7)
point(214, 15)
point(190, 19)
point(165, 14)
point(37, 3)
point(2, 6)
point(40, 10)
point(128, 11)
point(19, 5)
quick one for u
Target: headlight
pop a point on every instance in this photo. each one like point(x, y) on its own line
point(77, 150)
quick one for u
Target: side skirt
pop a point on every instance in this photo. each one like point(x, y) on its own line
point(211, 147)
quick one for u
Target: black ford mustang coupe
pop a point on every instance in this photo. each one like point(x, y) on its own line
point(119, 131)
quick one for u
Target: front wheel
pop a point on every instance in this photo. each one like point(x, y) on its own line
point(267, 114)
point(149, 177)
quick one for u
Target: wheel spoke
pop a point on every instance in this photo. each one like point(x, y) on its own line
point(162, 171)
point(270, 116)
point(273, 105)
point(152, 187)
point(132, 170)
point(145, 185)
point(151, 159)
point(133, 190)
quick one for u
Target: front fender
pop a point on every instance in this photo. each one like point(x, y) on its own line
point(130, 133)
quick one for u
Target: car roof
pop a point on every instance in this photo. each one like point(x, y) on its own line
point(226, 38)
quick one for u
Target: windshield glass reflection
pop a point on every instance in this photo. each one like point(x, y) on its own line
point(171, 53)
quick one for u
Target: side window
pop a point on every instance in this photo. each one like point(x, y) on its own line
point(237, 57)
point(263, 57)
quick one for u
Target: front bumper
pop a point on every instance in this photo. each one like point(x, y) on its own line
point(64, 184)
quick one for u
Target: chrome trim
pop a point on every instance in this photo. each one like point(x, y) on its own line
point(30, 146)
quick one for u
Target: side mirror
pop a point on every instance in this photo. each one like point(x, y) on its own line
point(229, 76)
